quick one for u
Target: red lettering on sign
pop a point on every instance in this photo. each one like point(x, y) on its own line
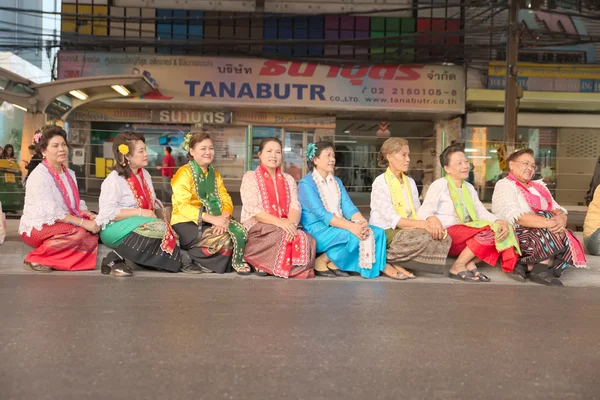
point(355, 73)
point(71, 74)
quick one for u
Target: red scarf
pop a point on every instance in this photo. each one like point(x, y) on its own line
point(269, 195)
point(143, 195)
point(535, 202)
point(63, 190)
point(290, 252)
point(141, 191)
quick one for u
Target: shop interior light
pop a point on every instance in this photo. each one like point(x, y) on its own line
point(345, 141)
point(79, 94)
point(122, 90)
point(467, 150)
point(20, 107)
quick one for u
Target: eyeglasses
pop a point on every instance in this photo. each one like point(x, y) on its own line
point(527, 165)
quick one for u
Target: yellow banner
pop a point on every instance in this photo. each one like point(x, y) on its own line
point(498, 68)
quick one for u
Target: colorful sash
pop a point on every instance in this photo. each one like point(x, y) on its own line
point(63, 190)
point(535, 202)
point(332, 201)
point(397, 196)
point(143, 196)
point(206, 187)
point(276, 200)
point(467, 202)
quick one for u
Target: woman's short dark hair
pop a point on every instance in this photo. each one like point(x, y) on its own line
point(197, 138)
point(48, 132)
point(264, 142)
point(448, 151)
point(169, 149)
point(322, 145)
point(129, 139)
point(32, 147)
point(515, 156)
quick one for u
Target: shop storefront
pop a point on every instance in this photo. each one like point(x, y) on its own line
point(245, 100)
point(559, 118)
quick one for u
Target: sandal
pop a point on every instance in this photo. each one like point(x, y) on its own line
point(397, 275)
point(404, 272)
point(245, 270)
point(466, 276)
point(36, 267)
point(480, 276)
point(545, 278)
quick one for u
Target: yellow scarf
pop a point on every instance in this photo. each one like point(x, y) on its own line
point(397, 196)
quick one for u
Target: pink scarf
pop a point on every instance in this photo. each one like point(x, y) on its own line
point(63, 190)
point(535, 202)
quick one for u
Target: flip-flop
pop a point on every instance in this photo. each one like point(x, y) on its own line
point(479, 275)
point(463, 276)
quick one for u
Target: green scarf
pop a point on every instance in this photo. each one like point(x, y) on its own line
point(467, 202)
point(397, 195)
point(206, 188)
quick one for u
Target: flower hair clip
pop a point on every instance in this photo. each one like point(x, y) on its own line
point(124, 150)
point(37, 136)
point(311, 150)
point(186, 141)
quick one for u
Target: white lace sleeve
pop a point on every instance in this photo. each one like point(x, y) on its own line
point(43, 202)
point(555, 205)
point(110, 194)
point(505, 202)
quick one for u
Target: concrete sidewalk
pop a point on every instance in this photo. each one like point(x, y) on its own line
point(13, 251)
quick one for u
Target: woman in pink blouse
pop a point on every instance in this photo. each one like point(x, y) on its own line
point(271, 213)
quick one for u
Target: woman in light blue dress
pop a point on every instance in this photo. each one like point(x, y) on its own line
point(343, 235)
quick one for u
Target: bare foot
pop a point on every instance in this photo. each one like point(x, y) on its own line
point(393, 273)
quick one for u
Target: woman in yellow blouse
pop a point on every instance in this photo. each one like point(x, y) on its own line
point(202, 211)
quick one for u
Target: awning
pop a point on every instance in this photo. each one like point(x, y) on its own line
point(487, 99)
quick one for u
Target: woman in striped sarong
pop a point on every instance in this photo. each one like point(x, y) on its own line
point(539, 220)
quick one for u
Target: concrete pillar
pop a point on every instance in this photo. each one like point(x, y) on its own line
point(30, 124)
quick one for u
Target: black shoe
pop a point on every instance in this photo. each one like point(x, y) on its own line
point(339, 272)
point(191, 269)
point(545, 278)
point(114, 265)
point(325, 274)
point(519, 273)
point(260, 273)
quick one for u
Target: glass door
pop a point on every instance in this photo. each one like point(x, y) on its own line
point(293, 157)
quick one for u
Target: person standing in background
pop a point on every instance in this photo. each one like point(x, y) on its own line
point(168, 169)
point(418, 174)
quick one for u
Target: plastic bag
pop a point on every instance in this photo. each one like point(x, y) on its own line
point(2, 225)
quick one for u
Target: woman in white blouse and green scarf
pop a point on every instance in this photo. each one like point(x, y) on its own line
point(477, 235)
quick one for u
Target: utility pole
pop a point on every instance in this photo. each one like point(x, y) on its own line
point(512, 92)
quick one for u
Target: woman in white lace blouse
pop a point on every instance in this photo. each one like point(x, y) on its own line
point(539, 220)
point(129, 224)
point(477, 235)
point(394, 206)
point(55, 221)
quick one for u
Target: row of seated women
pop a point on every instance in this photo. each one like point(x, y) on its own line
point(526, 228)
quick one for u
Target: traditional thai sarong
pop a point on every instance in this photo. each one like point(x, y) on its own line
point(195, 192)
point(539, 244)
point(60, 246)
point(268, 250)
point(397, 200)
point(320, 203)
point(148, 242)
point(478, 235)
